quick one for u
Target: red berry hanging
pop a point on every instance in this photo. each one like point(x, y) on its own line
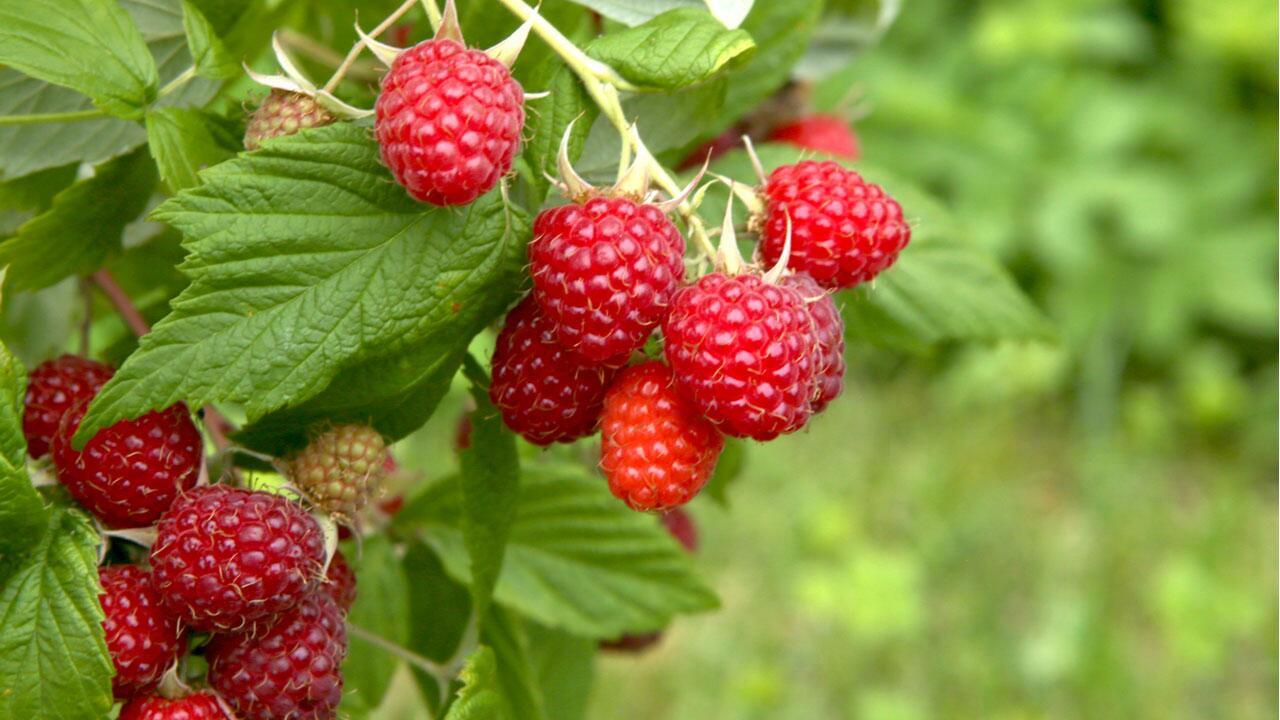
point(656, 450)
point(828, 352)
point(603, 272)
point(290, 669)
point(545, 393)
point(827, 134)
point(53, 387)
point(449, 118)
point(742, 347)
point(844, 230)
point(202, 705)
point(130, 473)
point(226, 557)
point(340, 581)
point(143, 638)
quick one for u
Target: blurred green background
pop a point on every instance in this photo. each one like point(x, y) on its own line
point(1078, 530)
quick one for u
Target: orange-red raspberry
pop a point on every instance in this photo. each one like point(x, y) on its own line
point(844, 230)
point(827, 134)
point(201, 705)
point(143, 637)
point(448, 121)
point(742, 348)
point(603, 272)
point(545, 393)
point(130, 473)
point(656, 450)
point(828, 327)
point(53, 388)
point(290, 669)
point(226, 558)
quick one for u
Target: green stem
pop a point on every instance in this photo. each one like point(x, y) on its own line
point(37, 118)
point(359, 46)
point(603, 83)
point(176, 83)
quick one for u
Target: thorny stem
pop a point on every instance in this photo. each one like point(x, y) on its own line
point(36, 118)
point(214, 421)
point(603, 83)
point(359, 46)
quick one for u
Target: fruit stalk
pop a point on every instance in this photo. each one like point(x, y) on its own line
point(356, 49)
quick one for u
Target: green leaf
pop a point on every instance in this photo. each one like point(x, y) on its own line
point(209, 55)
point(35, 192)
point(27, 148)
point(781, 32)
point(848, 28)
point(564, 666)
point(91, 46)
point(306, 259)
point(53, 655)
point(549, 117)
point(439, 608)
point(577, 558)
point(83, 226)
point(22, 514)
point(635, 12)
point(480, 698)
point(184, 142)
point(490, 486)
point(382, 608)
point(728, 468)
point(674, 50)
point(504, 631)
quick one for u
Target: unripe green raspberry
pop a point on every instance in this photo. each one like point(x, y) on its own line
point(340, 469)
point(284, 113)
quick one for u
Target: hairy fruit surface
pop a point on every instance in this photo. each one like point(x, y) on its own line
point(131, 472)
point(844, 230)
point(828, 327)
point(202, 705)
point(340, 468)
point(656, 450)
point(448, 121)
point(53, 388)
point(226, 557)
point(742, 348)
point(284, 113)
point(603, 272)
point(143, 637)
point(545, 393)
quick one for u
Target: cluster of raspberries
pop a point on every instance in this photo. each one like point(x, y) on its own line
point(746, 354)
point(243, 570)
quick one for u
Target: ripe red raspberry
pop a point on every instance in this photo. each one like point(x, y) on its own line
point(844, 230)
point(680, 524)
point(226, 557)
point(742, 348)
point(544, 392)
point(828, 326)
point(822, 133)
point(284, 113)
point(340, 468)
point(290, 669)
point(340, 581)
point(448, 121)
point(656, 450)
point(202, 705)
point(131, 472)
point(603, 272)
point(142, 636)
point(53, 387)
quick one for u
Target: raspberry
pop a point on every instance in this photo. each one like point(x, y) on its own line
point(202, 705)
point(828, 326)
point(742, 349)
point(543, 391)
point(603, 272)
point(844, 230)
point(53, 387)
point(340, 582)
point(656, 450)
point(131, 472)
point(284, 113)
point(821, 133)
point(226, 557)
point(289, 670)
point(142, 636)
point(340, 468)
point(448, 121)
point(680, 525)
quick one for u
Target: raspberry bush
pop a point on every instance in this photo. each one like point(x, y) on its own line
point(216, 528)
